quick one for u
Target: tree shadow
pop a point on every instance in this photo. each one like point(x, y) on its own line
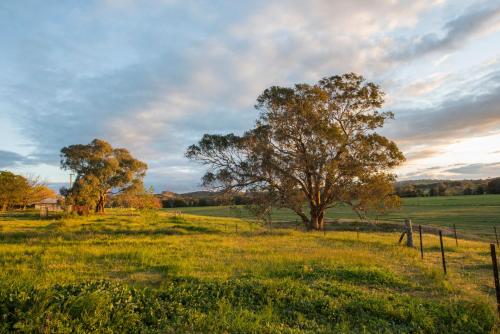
point(28, 215)
point(90, 231)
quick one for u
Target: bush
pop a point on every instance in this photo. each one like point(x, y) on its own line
point(235, 305)
point(494, 186)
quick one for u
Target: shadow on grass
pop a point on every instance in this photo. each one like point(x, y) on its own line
point(52, 231)
point(370, 277)
point(28, 215)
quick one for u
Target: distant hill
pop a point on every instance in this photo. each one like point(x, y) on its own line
point(429, 187)
point(407, 188)
point(199, 194)
point(423, 181)
point(193, 194)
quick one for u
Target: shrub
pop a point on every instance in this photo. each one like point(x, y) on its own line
point(235, 305)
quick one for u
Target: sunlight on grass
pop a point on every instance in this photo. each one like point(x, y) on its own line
point(200, 252)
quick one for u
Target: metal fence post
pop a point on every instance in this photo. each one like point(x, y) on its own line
point(421, 242)
point(495, 274)
point(455, 231)
point(442, 251)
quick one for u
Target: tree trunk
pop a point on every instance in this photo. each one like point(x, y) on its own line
point(409, 233)
point(99, 208)
point(321, 220)
point(317, 219)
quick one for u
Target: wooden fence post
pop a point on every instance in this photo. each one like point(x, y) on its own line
point(408, 231)
point(455, 231)
point(421, 242)
point(442, 251)
point(495, 274)
point(357, 232)
point(496, 235)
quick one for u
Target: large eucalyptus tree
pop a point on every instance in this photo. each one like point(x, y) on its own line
point(312, 144)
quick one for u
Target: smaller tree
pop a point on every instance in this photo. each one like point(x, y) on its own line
point(467, 191)
point(12, 189)
point(100, 170)
point(494, 186)
point(36, 191)
point(143, 199)
point(480, 190)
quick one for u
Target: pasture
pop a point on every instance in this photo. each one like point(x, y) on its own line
point(474, 216)
point(158, 272)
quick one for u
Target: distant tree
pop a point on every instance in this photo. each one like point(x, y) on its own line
point(143, 199)
point(312, 143)
point(12, 189)
point(468, 191)
point(36, 191)
point(179, 203)
point(203, 201)
point(494, 186)
point(408, 190)
point(480, 190)
point(441, 189)
point(100, 170)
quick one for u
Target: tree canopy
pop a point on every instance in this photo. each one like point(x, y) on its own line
point(100, 170)
point(19, 191)
point(314, 144)
point(494, 186)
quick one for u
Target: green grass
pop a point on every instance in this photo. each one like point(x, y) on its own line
point(472, 215)
point(124, 272)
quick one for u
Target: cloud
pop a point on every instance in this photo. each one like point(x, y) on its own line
point(477, 170)
point(13, 159)
point(471, 109)
point(422, 87)
point(475, 21)
point(155, 78)
point(424, 153)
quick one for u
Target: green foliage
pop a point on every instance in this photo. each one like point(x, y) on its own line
point(100, 169)
point(494, 186)
point(19, 191)
point(12, 189)
point(141, 199)
point(127, 271)
point(419, 188)
point(314, 144)
point(235, 305)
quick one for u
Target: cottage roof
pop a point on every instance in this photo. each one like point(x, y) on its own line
point(48, 201)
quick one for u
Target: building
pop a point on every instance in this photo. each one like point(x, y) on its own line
point(48, 204)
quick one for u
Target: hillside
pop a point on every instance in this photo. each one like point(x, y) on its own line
point(473, 216)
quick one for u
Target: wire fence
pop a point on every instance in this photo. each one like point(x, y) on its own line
point(448, 237)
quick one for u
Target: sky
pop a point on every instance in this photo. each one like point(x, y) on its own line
point(154, 76)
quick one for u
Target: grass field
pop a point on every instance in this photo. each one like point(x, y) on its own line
point(472, 215)
point(156, 272)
